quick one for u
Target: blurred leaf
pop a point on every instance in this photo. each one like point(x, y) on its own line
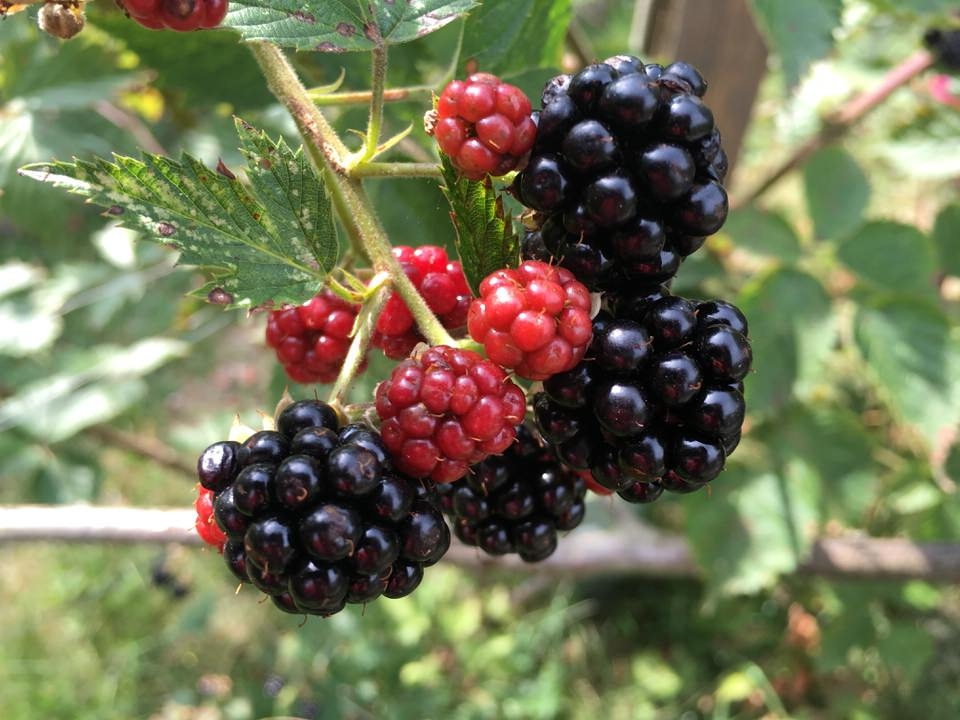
point(915, 358)
point(92, 387)
point(927, 158)
point(508, 38)
point(752, 527)
point(891, 257)
point(792, 330)
point(185, 63)
point(946, 237)
point(915, 497)
point(837, 192)
point(907, 648)
point(341, 26)
point(272, 242)
point(835, 443)
point(486, 240)
point(951, 465)
point(800, 33)
point(763, 233)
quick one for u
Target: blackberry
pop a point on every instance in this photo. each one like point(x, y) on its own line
point(628, 160)
point(945, 46)
point(517, 502)
point(315, 516)
point(657, 403)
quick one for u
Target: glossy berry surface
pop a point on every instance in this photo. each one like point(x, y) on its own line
point(628, 161)
point(534, 320)
point(180, 15)
point(517, 502)
point(484, 126)
point(657, 403)
point(311, 340)
point(442, 284)
point(445, 410)
point(316, 516)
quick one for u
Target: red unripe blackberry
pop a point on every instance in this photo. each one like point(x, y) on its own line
point(443, 285)
point(206, 526)
point(311, 340)
point(484, 126)
point(534, 319)
point(180, 15)
point(446, 410)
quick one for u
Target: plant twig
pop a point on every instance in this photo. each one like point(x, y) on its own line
point(397, 170)
point(640, 551)
point(363, 97)
point(347, 195)
point(366, 321)
point(838, 123)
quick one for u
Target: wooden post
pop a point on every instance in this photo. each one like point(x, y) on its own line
point(720, 38)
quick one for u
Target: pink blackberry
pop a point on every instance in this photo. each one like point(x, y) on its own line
point(534, 319)
point(442, 284)
point(446, 410)
point(484, 126)
point(312, 340)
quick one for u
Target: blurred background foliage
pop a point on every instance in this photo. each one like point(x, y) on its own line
point(849, 271)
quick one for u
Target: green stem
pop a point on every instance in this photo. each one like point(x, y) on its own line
point(396, 169)
point(366, 322)
point(375, 121)
point(363, 97)
point(347, 195)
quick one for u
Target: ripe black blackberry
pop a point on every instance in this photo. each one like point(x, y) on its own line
point(657, 403)
point(516, 502)
point(626, 171)
point(945, 46)
point(316, 516)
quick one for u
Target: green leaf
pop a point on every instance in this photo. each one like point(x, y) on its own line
point(800, 32)
point(891, 257)
point(946, 238)
point(341, 25)
point(758, 527)
point(763, 233)
point(273, 241)
point(485, 237)
point(837, 192)
point(792, 330)
point(915, 358)
point(508, 38)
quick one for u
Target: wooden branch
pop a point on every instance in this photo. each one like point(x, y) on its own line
point(636, 550)
point(838, 123)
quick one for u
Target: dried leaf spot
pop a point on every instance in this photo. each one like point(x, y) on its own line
point(219, 296)
point(304, 16)
point(224, 170)
point(327, 46)
point(166, 229)
point(346, 29)
point(115, 210)
point(265, 163)
point(372, 32)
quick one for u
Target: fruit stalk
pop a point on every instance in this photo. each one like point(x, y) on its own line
point(363, 331)
point(375, 120)
point(347, 195)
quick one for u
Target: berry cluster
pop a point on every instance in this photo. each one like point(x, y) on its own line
point(945, 46)
point(181, 15)
point(658, 403)
point(443, 286)
point(314, 515)
point(625, 173)
point(312, 340)
point(534, 320)
point(483, 125)
point(445, 410)
point(516, 502)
